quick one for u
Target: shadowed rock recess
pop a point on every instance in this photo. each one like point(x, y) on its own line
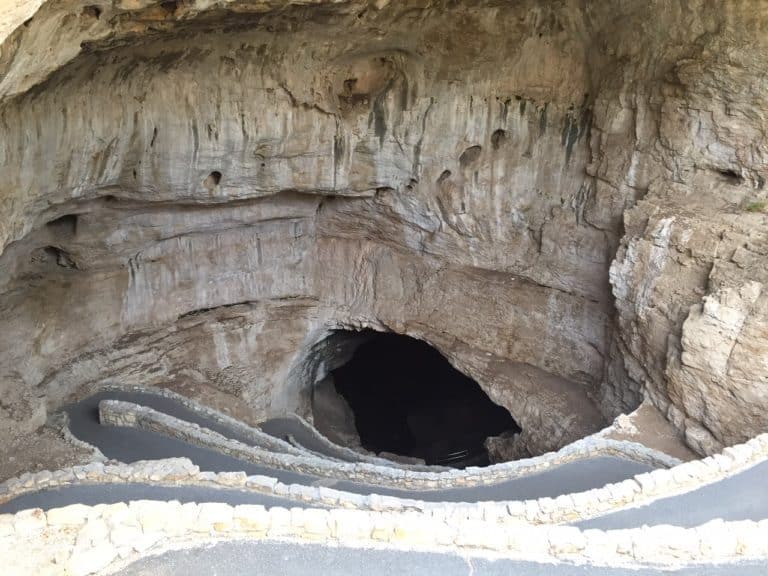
point(404, 398)
point(563, 200)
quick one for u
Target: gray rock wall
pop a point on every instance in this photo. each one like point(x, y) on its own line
point(198, 191)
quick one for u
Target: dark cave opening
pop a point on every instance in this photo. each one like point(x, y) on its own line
point(408, 400)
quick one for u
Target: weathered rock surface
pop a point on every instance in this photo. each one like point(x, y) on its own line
point(690, 276)
point(205, 190)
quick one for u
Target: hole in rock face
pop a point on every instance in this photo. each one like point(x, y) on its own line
point(55, 255)
point(212, 180)
point(408, 400)
point(730, 176)
point(92, 12)
point(63, 225)
point(170, 7)
point(470, 155)
point(498, 138)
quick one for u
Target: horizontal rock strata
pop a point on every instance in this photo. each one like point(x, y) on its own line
point(198, 191)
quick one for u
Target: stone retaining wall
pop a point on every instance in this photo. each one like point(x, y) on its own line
point(118, 413)
point(59, 422)
point(568, 508)
point(335, 451)
point(79, 540)
point(348, 455)
point(254, 435)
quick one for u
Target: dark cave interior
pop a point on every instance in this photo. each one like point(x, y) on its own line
point(408, 400)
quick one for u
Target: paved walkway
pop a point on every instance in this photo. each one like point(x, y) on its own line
point(130, 444)
point(283, 427)
point(85, 414)
point(91, 495)
point(740, 497)
point(288, 559)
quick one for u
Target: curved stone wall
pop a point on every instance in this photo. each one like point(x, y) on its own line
point(567, 508)
point(117, 413)
point(85, 540)
point(100, 539)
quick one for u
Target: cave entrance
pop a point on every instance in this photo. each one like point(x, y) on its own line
point(407, 400)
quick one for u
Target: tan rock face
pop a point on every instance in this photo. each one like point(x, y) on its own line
point(689, 278)
point(205, 191)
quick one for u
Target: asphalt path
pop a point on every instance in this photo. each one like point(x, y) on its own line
point(114, 493)
point(83, 415)
point(131, 444)
point(282, 428)
point(740, 497)
point(253, 558)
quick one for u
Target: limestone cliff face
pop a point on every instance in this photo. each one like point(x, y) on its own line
point(690, 275)
point(205, 190)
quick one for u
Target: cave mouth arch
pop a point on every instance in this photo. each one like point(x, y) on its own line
point(406, 400)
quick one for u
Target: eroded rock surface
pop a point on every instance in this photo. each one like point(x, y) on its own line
point(206, 190)
point(690, 276)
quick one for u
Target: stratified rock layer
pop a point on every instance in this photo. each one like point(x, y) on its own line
point(205, 191)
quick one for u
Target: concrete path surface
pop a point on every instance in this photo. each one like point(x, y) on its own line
point(130, 444)
point(83, 415)
point(740, 497)
point(113, 493)
point(283, 427)
point(289, 559)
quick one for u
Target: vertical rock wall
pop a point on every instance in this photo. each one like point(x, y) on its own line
point(198, 191)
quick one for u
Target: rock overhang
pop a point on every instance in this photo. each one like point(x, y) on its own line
point(387, 174)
